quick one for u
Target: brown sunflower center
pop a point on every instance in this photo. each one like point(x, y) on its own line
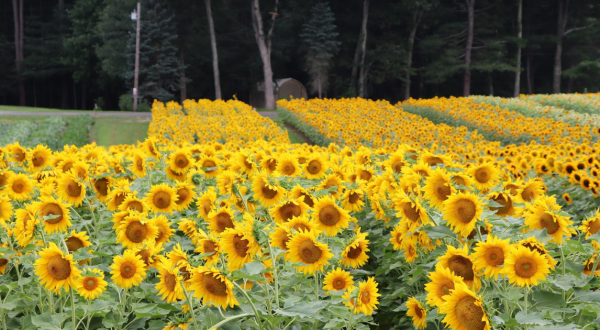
point(128, 269)
point(482, 175)
point(494, 256)
point(52, 209)
point(271, 164)
point(74, 243)
point(444, 288)
point(525, 267)
point(90, 283)
point(214, 285)
point(528, 194)
point(3, 180)
point(209, 246)
point(339, 284)
point(461, 266)
point(365, 175)
point(469, 314)
point(182, 196)
point(59, 268)
point(594, 226)
point(73, 188)
point(240, 245)
point(442, 189)
point(314, 167)
point(3, 262)
point(506, 203)
point(432, 161)
point(120, 199)
point(19, 153)
point(289, 169)
point(135, 206)
point(136, 232)
point(329, 215)
point(38, 159)
point(223, 222)
point(419, 312)
point(353, 198)
point(208, 164)
point(181, 161)
point(101, 186)
point(457, 180)
point(170, 281)
point(289, 210)
point(411, 212)
point(308, 199)
point(547, 221)
point(465, 210)
point(267, 192)
point(309, 252)
point(161, 235)
point(354, 252)
point(207, 206)
point(284, 240)
point(162, 200)
point(397, 166)
point(145, 255)
point(301, 226)
point(365, 297)
point(19, 186)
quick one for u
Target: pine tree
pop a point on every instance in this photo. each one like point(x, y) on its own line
point(159, 65)
point(319, 36)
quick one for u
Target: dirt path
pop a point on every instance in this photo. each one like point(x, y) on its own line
point(75, 113)
point(297, 132)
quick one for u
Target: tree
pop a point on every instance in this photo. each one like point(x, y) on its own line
point(159, 66)
point(18, 22)
point(319, 36)
point(519, 36)
point(416, 9)
point(264, 47)
point(213, 47)
point(469, 46)
point(359, 54)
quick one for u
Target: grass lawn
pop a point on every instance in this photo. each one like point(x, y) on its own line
point(32, 109)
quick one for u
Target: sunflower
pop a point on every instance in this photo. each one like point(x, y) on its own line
point(298, 191)
point(489, 256)
point(55, 270)
point(269, 164)
point(438, 188)
point(567, 198)
point(525, 267)
point(162, 198)
point(135, 230)
point(178, 258)
point(169, 285)
point(397, 237)
point(225, 181)
point(185, 196)
point(90, 287)
point(149, 252)
point(3, 261)
point(26, 221)
point(174, 175)
point(417, 312)
point(462, 211)
point(315, 167)
point(329, 182)
point(138, 163)
point(163, 225)
point(77, 241)
point(366, 300)
point(589, 265)
point(330, 217)
point(543, 214)
point(337, 279)
point(206, 202)
point(101, 187)
point(245, 163)
point(6, 210)
point(410, 210)
point(239, 246)
point(534, 245)
point(396, 161)
point(289, 209)
point(288, 165)
point(506, 203)
point(353, 200)
point(461, 179)
point(210, 285)
point(591, 225)
point(302, 223)
point(486, 175)
point(303, 247)
point(209, 166)
point(54, 213)
point(17, 154)
point(4, 176)
point(70, 189)
point(355, 254)
point(81, 169)
point(443, 281)
point(267, 190)
point(530, 191)
point(133, 204)
point(280, 236)
point(208, 244)
point(221, 219)
point(128, 270)
point(459, 261)
point(19, 187)
point(181, 161)
point(464, 310)
point(39, 158)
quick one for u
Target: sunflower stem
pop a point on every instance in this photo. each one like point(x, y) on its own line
point(73, 316)
point(229, 319)
point(191, 307)
point(316, 296)
point(525, 304)
point(275, 274)
point(93, 217)
point(3, 319)
point(256, 316)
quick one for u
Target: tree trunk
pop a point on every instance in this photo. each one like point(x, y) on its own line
point(363, 51)
point(83, 96)
point(183, 87)
point(529, 76)
point(411, 43)
point(469, 47)
point(64, 104)
point(491, 83)
point(18, 23)
point(319, 84)
point(519, 35)
point(213, 46)
point(264, 46)
point(563, 12)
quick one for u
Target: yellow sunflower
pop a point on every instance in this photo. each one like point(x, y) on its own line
point(410, 210)
point(329, 217)
point(138, 163)
point(530, 190)
point(55, 270)
point(525, 267)
point(102, 187)
point(288, 165)
point(181, 161)
point(489, 256)
point(543, 214)
point(4, 176)
point(165, 232)
point(209, 244)
point(443, 281)
point(486, 175)
point(185, 196)
point(149, 252)
point(209, 166)
point(19, 187)
point(280, 236)
point(135, 230)
point(225, 181)
point(6, 210)
point(329, 182)
point(534, 245)
point(70, 189)
point(315, 167)
point(239, 246)
point(464, 310)
point(289, 209)
point(589, 265)
point(17, 154)
point(206, 202)
point(90, 287)
point(366, 299)
point(397, 237)
point(303, 247)
point(417, 312)
point(54, 213)
point(353, 200)
point(506, 202)
point(133, 204)
point(298, 191)
point(462, 211)
point(128, 270)
point(221, 219)
point(162, 198)
point(591, 225)
point(355, 254)
point(302, 223)
point(169, 285)
point(267, 190)
point(459, 261)
point(269, 164)
point(77, 241)
point(337, 279)
point(438, 188)
point(39, 158)
point(3, 261)
point(210, 285)
point(26, 220)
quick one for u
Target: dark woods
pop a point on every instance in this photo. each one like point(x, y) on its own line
point(72, 54)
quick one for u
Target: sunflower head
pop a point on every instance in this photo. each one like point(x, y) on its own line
point(524, 267)
point(489, 256)
point(443, 281)
point(355, 253)
point(169, 285)
point(337, 279)
point(329, 217)
point(417, 312)
point(162, 198)
point(459, 262)
point(210, 285)
point(303, 247)
point(54, 213)
point(464, 310)
point(462, 211)
point(55, 270)
point(128, 270)
point(289, 209)
point(90, 287)
point(135, 230)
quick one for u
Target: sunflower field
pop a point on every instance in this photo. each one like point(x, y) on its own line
point(463, 213)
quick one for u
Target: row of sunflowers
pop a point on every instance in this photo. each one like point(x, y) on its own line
point(583, 103)
point(430, 233)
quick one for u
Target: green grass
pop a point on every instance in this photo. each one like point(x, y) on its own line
point(33, 109)
point(118, 130)
point(294, 138)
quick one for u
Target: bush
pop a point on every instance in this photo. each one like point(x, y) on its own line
point(126, 104)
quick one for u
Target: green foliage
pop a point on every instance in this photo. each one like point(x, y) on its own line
point(126, 104)
point(54, 132)
point(309, 131)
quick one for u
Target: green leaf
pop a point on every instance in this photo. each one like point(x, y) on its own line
point(9, 306)
point(29, 248)
point(534, 318)
point(588, 296)
point(307, 309)
point(438, 232)
point(47, 320)
point(112, 320)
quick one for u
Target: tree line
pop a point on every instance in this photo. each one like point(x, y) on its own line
point(75, 54)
